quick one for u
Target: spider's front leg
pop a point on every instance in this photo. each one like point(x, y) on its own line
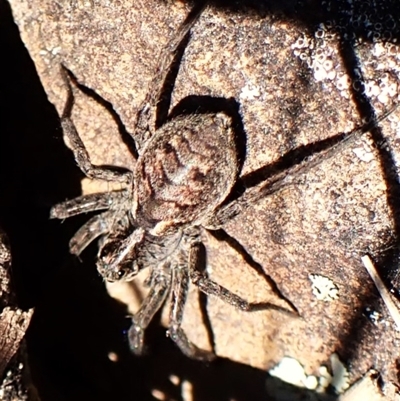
point(161, 283)
point(97, 225)
point(180, 284)
point(78, 148)
point(88, 203)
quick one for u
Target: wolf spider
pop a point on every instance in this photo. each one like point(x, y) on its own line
point(179, 185)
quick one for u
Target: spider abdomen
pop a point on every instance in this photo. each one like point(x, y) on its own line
point(186, 170)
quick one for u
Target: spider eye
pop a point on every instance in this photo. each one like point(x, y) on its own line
point(116, 258)
point(116, 272)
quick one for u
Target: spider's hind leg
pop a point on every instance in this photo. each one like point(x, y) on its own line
point(146, 117)
point(212, 288)
point(293, 175)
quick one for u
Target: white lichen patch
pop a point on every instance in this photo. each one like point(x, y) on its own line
point(250, 92)
point(373, 315)
point(340, 375)
point(364, 154)
point(324, 288)
point(384, 89)
point(325, 378)
point(379, 58)
point(291, 371)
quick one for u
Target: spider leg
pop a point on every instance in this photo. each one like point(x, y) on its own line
point(146, 116)
point(87, 203)
point(78, 148)
point(210, 287)
point(161, 284)
point(93, 228)
point(291, 176)
point(222, 235)
point(180, 285)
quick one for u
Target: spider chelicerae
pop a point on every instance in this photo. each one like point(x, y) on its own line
point(186, 169)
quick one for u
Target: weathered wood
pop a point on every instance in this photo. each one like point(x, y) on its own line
point(13, 325)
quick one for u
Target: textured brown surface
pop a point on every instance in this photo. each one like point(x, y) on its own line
point(343, 209)
point(14, 385)
point(13, 320)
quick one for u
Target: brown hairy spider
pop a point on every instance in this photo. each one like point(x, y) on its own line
point(179, 185)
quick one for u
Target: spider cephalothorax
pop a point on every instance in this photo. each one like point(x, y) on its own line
point(185, 171)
